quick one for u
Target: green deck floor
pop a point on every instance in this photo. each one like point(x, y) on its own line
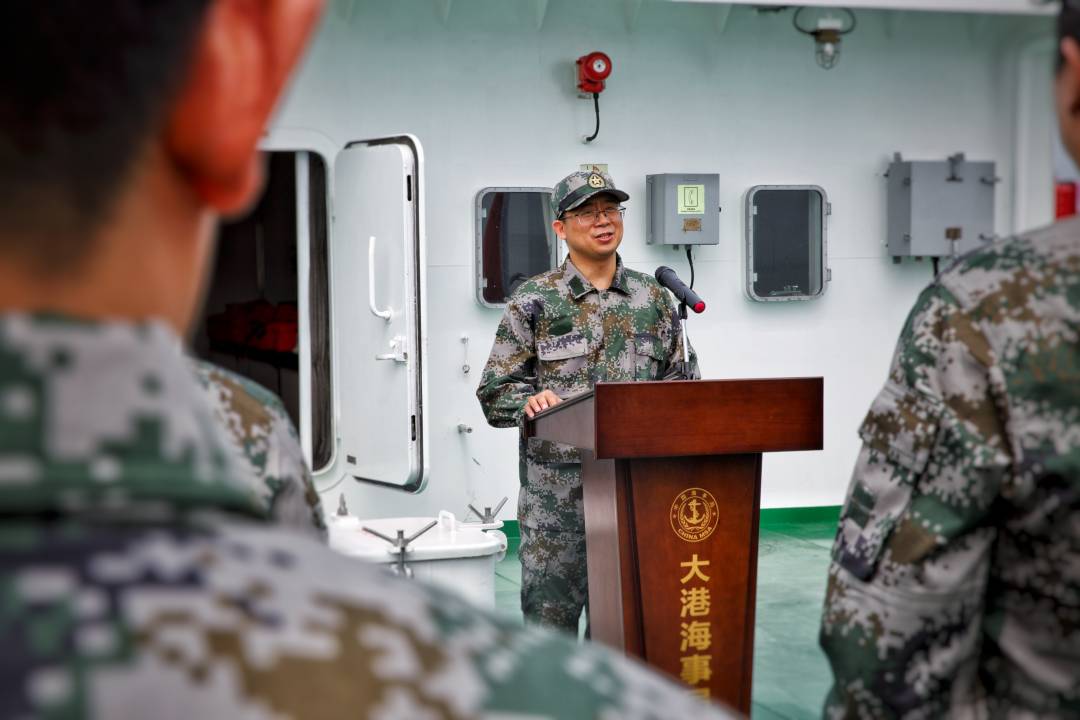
point(791, 675)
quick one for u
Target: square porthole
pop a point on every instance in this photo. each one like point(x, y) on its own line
point(786, 242)
point(514, 240)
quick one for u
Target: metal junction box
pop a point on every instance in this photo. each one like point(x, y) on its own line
point(684, 209)
point(939, 208)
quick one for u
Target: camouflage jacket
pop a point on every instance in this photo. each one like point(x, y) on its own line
point(139, 575)
point(560, 334)
point(954, 589)
point(264, 436)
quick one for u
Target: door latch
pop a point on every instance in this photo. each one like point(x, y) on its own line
point(397, 351)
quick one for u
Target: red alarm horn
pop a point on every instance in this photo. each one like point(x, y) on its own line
point(592, 70)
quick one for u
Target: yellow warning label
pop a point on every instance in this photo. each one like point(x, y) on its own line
point(691, 199)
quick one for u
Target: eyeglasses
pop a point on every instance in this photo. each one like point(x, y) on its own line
point(615, 214)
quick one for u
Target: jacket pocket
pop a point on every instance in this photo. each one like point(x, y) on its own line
point(898, 434)
point(561, 358)
point(650, 357)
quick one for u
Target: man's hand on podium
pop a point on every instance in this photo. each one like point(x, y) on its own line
point(541, 401)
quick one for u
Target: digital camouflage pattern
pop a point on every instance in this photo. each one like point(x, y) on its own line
point(954, 589)
point(86, 409)
point(577, 187)
point(554, 577)
point(140, 577)
point(262, 432)
point(559, 333)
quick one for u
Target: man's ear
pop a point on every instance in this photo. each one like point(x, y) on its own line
point(1069, 76)
point(560, 229)
point(243, 56)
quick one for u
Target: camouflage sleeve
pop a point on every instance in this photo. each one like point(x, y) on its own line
point(509, 377)
point(903, 607)
point(675, 345)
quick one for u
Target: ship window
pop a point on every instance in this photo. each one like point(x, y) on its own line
point(514, 240)
point(785, 238)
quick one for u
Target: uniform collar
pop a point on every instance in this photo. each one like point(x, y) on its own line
point(580, 286)
point(107, 417)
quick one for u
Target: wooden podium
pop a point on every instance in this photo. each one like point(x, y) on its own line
point(672, 480)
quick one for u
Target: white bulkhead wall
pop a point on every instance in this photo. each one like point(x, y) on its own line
point(487, 86)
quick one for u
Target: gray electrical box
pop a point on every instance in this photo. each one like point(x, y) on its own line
point(684, 209)
point(939, 208)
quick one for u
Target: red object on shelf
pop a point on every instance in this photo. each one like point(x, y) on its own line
point(284, 329)
point(253, 317)
point(1064, 199)
point(286, 311)
point(257, 324)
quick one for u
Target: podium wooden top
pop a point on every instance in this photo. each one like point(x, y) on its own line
point(688, 417)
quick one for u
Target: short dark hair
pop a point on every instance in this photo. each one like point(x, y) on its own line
point(82, 85)
point(1068, 25)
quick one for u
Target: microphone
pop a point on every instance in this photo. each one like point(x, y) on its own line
point(667, 277)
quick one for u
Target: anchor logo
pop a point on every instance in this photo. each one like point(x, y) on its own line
point(694, 518)
point(694, 514)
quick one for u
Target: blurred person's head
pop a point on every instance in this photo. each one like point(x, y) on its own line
point(126, 128)
point(1067, 82)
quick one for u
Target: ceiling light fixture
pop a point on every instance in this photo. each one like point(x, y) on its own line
point(826, 31)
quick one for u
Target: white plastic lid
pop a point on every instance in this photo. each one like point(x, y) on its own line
point(447, 519)
point(442, 542)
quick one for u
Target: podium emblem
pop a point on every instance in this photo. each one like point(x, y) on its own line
point(694, 514)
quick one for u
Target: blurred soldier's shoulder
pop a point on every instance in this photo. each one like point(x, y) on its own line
point(240, 396)
point(264, 436)
point(228, 619)
point(1006, 272)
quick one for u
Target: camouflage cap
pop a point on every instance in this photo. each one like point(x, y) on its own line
point(577, 187)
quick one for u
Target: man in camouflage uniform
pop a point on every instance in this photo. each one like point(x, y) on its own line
point(140, 572)
point(954, 589)
point(590, 320)
point(265, 439)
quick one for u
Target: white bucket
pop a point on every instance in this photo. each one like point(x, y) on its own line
point(453, 556)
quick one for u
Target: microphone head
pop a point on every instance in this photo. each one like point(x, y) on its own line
point(699, 308)
point(661, 271)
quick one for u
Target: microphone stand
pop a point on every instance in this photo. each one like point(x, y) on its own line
point(685, 343)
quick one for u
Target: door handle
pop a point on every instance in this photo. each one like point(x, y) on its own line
point(384, 314)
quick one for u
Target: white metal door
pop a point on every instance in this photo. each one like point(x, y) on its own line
point(377, 266)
